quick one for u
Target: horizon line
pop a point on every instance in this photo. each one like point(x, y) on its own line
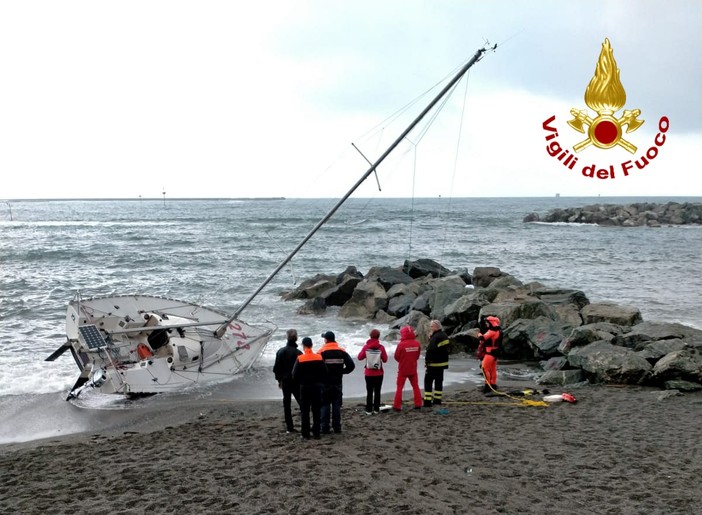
point(164, 199)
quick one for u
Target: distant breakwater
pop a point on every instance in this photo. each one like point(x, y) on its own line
point(629, 215)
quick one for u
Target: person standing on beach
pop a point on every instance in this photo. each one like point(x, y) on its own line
point(285, 359)
point(375, 355)
point(310, 372)
point(407, 355)
point(488, 350)
point(338, 363)
point(436, 360)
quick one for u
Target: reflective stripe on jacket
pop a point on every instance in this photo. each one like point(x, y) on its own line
point(437, 355)
point(337, 360)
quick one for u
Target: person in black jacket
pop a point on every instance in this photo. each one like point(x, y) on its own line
point(284, 361)
point(338, 363)
point(310, 372)
point(436, 360)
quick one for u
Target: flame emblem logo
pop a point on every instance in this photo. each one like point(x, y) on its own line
point(605, 95)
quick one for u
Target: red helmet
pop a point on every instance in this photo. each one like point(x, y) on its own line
point(493, 321)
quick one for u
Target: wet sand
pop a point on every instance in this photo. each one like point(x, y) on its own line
point(618, 450)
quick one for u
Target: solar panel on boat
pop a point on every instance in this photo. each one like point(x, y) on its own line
point(92, 337)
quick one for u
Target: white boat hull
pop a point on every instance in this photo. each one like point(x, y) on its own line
point(141, 344)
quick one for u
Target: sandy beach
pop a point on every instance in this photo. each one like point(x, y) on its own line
point(618, 450)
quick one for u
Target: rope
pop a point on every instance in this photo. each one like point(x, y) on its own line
point(486, 403)
point(520, 401)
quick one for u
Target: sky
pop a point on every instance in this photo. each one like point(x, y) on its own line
point(264, 99)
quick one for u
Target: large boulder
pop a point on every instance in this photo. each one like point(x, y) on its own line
point(529, 308)
point(603, 362)
point(504, 282)
point(401, 297)
point(424, 267)
point(382, 317)
point(341, 293)
point(311, 288)
point(467, 308)
point(387, 276)
point(315, 306)
point(400, 305)
point(653, 351)
point(631, 340)
point(613, 313)
point(367, 299)
point(351, 271)
point(579, 337)
point(423, 303)
point(560, 296)
point(668, 331)
point(561, 377)
point(397, 289)
point(533, 338)
point(565, 303)
point(445, 291)
point(586, 334)
point(685, 364)
point(484, 275)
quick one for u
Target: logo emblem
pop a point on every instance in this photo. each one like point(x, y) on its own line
point(605, 95)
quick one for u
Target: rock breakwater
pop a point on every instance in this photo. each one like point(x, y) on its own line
point(629, 215)
point(573, 339)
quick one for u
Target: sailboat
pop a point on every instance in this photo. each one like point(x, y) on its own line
point(142, 344)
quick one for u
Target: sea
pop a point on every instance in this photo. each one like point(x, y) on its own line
point(217, 252)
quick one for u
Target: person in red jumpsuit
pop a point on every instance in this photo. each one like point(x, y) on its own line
point(489, 350)
point(407, 354)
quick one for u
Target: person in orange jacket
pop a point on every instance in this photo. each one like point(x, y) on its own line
point(338, 363)
point(489, 350)
point(407, 354)
point(310, 372)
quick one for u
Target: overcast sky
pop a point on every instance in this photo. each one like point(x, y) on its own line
point(259, 99)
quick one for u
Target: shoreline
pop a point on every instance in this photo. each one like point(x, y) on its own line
point(614, 451)
point(49, 416)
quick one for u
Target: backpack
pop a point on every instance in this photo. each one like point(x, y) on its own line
point(373, 359)
point(497, 353)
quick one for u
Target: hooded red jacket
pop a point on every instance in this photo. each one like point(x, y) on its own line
point(373, 344)
point(407, 352)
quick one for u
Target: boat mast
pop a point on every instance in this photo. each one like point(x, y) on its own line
point(476, 57)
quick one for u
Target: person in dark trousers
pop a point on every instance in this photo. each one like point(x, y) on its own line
point(310, 372)
point(374, 355)
point(436, 361)
point(284, 361)
point(489, 350)
point(338, 363)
